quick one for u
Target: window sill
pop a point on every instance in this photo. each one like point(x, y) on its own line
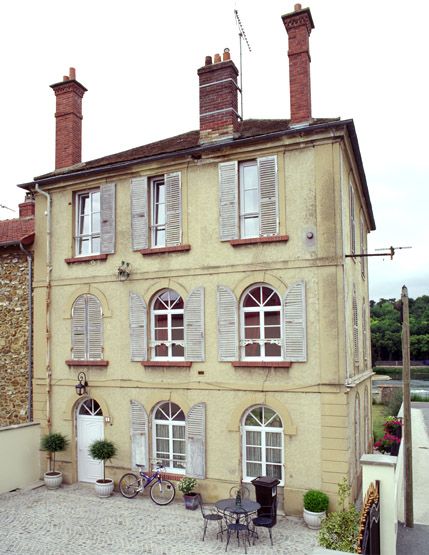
point(167, 363)
point(78, 259)
point(261, 364)
point(87, 362)
point(165, 250)
point(256, 240)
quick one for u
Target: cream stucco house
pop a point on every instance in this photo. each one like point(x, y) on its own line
point(208, 287)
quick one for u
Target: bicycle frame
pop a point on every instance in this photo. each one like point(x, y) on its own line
point(149, 479)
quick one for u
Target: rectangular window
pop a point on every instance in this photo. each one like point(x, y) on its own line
point(158, 212)
point(249, 199)
point(87, 239)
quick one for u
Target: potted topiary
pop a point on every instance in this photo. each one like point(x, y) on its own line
point(186, 485)
point(315, 505)
point(103, 450)
point(53, 442)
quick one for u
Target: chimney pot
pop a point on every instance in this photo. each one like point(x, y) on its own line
point(217, 58)
point(226, 55)
point(298, 7)
point(72, 73)
point(65, 77)
point(208, 61)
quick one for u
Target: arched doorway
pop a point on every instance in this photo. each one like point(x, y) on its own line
point(90, 426)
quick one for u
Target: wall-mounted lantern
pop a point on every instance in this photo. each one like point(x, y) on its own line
point(82, 385)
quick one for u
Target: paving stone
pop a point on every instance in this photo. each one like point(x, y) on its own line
point(72, 520)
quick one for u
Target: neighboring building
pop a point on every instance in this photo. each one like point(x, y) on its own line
point(16, 240)
point(203, 286)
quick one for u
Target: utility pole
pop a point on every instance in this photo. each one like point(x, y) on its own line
point(407, 446)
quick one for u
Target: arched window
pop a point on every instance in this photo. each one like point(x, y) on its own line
point(87, 328)
point(261, 324)
point(169, 441)
point(262, 444)
point(167, 325)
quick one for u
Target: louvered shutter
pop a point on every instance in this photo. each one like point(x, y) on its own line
point(364, 336)
point(138, 327)
point(139, 216)
point(79, 329)
point(194, 325)
point(227, 315)
point(173, 201)
point(107, 225)
point(196, 441)
point(355, 330)
point(268, 196)
point(139, 435)
point(295, 333)
point(95, 328)
point(228, 201)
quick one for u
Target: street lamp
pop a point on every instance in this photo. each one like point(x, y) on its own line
point(82, 385)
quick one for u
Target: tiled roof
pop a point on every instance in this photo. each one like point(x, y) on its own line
point(249, 128)
point(14, 231)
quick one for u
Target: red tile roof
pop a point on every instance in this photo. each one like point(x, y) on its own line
point(12, 232)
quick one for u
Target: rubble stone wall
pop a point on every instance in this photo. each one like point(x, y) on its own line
point(14, 335)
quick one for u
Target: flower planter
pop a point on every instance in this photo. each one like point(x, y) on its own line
point(104, 488)
point(313, 520)
point(53, 480)
point(191, 501)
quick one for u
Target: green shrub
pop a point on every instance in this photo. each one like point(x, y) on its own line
point(53, 442)
point(339, 530)
point(316, 501)
point(186, 485)
point(102, 450)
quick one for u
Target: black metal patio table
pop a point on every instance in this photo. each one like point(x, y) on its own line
point(238, 510)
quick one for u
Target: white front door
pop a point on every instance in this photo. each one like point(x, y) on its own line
point(90, 426)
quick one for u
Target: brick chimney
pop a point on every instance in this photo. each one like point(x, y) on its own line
point(68, 115)
point(27, 208)
point(298, 25)
point(219, 117)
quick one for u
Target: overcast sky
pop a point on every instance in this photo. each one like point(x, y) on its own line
point(139, 60)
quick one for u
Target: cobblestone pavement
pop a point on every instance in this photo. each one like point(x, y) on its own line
point(72, 520)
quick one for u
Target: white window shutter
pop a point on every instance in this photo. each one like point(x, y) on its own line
point(139, 435)
point(352, 221)
point(139, 217)
point(196, 441)
point(295, 332)
point(364, 336)
point(227, 315)
point(79, 329)
point(173, 200)
point(355, 330)
point(268, 196)
point(138, 327)
point(107, 217)
point(228, 201)
point(95, 328)
point(194, 325)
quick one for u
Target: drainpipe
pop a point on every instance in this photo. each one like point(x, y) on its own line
point(30, 332)
point(48, 305)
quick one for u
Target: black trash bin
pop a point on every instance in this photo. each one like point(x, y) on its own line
point(266, 495)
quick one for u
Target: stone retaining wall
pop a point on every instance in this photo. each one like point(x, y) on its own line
point(14, 329)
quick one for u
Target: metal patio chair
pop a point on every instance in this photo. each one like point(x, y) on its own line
point(210, 515)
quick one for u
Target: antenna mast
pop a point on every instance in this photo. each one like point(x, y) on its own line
point(242, 35)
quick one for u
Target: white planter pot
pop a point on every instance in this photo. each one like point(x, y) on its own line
point(104, 488)
point(313, 520)
point(53, 480)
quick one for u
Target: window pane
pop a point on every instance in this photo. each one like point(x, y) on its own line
point(273, 439)
point(253, 350)
point(95, 245)
point(273, 455)
point(272, 318)
point(159, 238)
point(249, 175)
point(250, 201)
point(162, 431)
point(257, 413)
point(275, 422)
point(177, 320)
point(270, 297)
point(177, 334)
point(252, 333)
point(251, 227)
point(268, 414)
point(272, 333)
point(179, 432)
point(253, 454)
point(251, 421)
point(161, 334)
point(96, 223)
point(177, 351)
point(161, 320)
point(251, 318)
point(272, 350)
point(161, 351)
point(253, 437)
point(84, 227)
point(254, 469)
point(274, 471)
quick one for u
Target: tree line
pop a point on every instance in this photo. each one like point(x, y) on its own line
point(386, 329)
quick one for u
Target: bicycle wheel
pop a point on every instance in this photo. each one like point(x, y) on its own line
point(129, 485)
point(162, 492)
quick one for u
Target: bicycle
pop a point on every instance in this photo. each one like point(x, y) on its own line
point(162, 492)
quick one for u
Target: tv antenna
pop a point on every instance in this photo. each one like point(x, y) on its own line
point(390, 251)
point(7, 208)
point(242, 36)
